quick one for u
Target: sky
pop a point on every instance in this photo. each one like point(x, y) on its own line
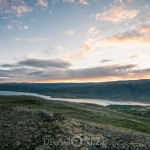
point(74, 40)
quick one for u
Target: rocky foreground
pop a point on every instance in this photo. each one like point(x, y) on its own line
point(25, 128)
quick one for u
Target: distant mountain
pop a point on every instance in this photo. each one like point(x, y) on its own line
point(135, 90)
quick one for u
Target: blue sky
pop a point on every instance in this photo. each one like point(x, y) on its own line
point(74, 40)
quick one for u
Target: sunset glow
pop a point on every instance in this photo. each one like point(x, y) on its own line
point(74, 40)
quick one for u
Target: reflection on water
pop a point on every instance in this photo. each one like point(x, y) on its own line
point(93, 101)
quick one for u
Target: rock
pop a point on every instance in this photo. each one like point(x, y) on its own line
point(42, 147)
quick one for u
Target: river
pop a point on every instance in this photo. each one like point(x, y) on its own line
point(79, 100)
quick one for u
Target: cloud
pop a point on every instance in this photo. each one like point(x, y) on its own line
point(54, 49)
point(15, 74)
point(147, 70)
point(8, 65)
point(98, 73)
point(81, 53)
point(32, 39)
point(4, 4)
point(116, 14)
point(96, 44)
point(84, 2)
point(7, 17)
point(123, 2)
point(138, 35)
point(39, 63)
point(101, 71)
point(69, 32)
point(4, 73)
point(145, 29)
point(43, 3)
point(18, 7)
point(22, 9)
point(134, 56)
point(130, 1)
point(25, 27)
point(147, 18)
point(4, 79)
point(94, 31)
point(88, 47)
point(17, 25)
point(68, 1)
point(22, 27)
point(105, 60)
point(28, 69)
point(9, 27)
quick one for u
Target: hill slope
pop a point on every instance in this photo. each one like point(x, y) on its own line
point(138, 90)
point(25, 121)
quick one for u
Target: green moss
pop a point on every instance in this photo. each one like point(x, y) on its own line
point(118, 116)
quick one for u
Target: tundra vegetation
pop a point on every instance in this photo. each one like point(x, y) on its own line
point(26, 121)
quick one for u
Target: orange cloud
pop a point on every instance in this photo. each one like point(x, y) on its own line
point(116, 14)
point(139, 35)
point(144, 29)
point(81, 53)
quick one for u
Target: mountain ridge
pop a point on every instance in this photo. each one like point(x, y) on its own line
point(135, 90)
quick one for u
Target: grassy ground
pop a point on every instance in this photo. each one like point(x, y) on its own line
point(143, 111)
point(134, 118)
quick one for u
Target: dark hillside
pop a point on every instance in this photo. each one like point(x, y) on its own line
point(138, 90)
